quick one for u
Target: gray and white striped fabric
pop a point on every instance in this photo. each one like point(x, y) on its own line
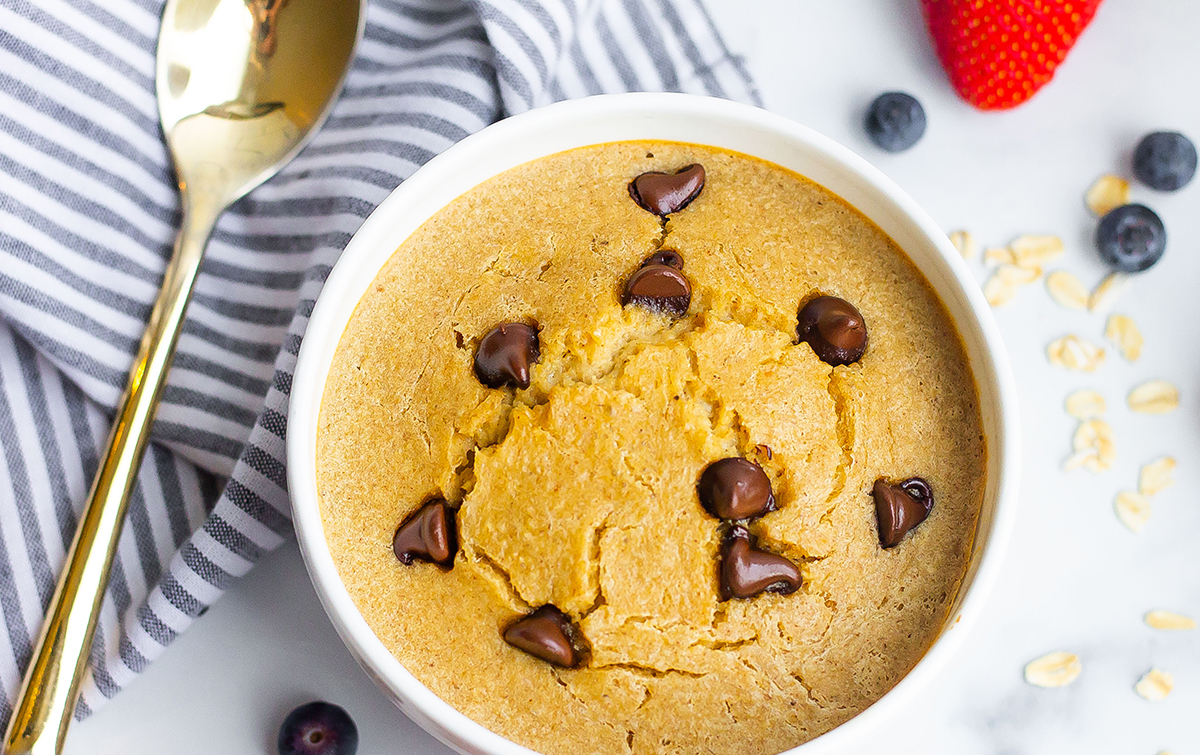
point(88, 212)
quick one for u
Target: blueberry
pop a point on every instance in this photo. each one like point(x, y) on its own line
point(1131, 238)
point(895, 121)
point(318, 728)
point(1165, 160)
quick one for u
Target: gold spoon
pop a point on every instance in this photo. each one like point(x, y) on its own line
point(242, 85)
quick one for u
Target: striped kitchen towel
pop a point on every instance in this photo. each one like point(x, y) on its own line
point(88, 212)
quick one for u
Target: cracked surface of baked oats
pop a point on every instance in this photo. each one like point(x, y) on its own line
point(581, 489)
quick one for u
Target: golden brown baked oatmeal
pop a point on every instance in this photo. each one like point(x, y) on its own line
point(580, 490)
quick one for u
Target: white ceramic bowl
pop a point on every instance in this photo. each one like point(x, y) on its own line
point(673, 117)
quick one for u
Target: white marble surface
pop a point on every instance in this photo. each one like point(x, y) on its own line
point(1075, 579)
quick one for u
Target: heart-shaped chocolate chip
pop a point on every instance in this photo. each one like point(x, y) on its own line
point(506, 354)
point(735, 488)
point(659, 288)
point(899, 507)
point(668, 257)
point(549, 634)
point(427, 535)
point(834, 329)
point(746, 571)
point(664, 193)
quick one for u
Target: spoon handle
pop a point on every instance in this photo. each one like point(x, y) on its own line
point(47, 700)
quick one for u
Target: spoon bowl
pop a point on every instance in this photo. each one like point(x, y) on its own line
point(242, 85)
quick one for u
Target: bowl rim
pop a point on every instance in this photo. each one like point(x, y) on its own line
point(324, 332)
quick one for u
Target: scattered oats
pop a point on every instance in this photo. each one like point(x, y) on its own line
point(1057, 669)
point(1133, 509)
point(998, 291)
point(1108, 193)
point(1035, 251)
point(1154, 397)
point(999, 255)
point(1085, 458)
point(1169, 621)
point(1156, 476)
point(1088, 434)
point(1022, 276)
point(1107, 291)
point(1067, 290)
point(1002, 286)
point(1124, 334)
point(1074, 353)
point(964, 242)
point(1085, 404)
point(1155, 685)
point(1093, 438)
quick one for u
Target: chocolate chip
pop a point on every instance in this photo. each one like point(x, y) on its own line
point(505, 355)
point(735, 488)
point(659, 288)
point(746, 571)
point(427, 535)
point(548, 634)
point(668, 257)
point(664, 193)
point(834, 329)
point(899, 507)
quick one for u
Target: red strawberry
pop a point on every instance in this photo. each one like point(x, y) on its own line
point(998, 53)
